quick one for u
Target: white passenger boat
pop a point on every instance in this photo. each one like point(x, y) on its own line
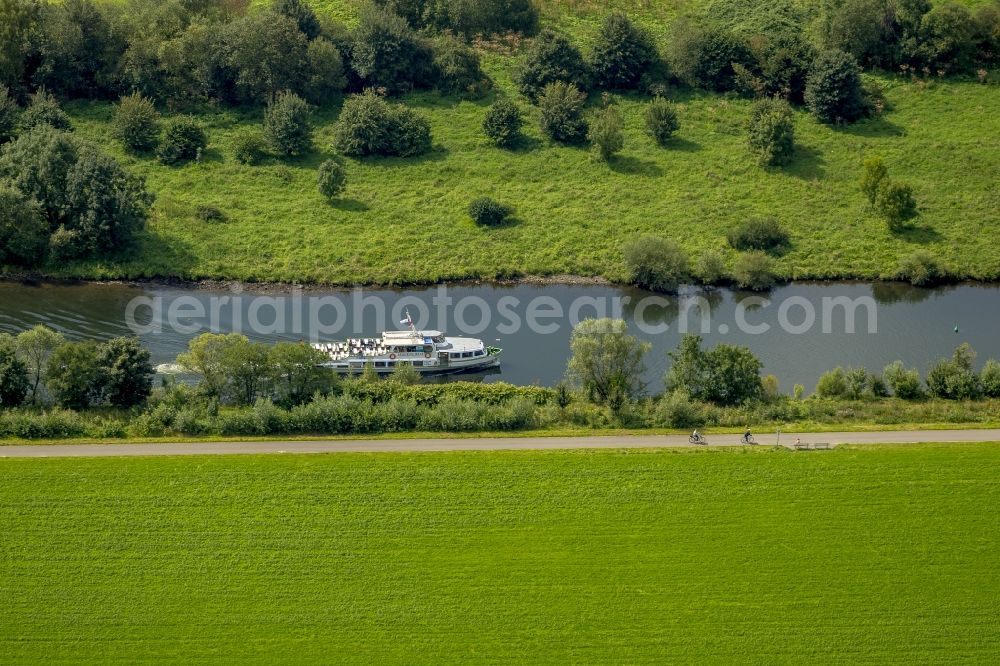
point(429, 352)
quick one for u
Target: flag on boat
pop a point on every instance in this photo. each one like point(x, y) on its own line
point(404, 322)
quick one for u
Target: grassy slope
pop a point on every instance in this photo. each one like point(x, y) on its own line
point(404, 220)
point(881, 554)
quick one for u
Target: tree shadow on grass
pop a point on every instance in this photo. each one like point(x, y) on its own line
point(682, 145)
point(629, 164)
point(160, 255)
point(872, 127)
point(920, 234)
point(526, 144)
point(349, 205)
point(806, 164)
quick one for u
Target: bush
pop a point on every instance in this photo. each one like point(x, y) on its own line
point(606, 133)
point(622, 53)
point(8, 114)
point(469, 19)
point(24, 233)
point(183, 140)
point(209, 214)
point(703, 56)
point(457, 70)
point(136, 123)
point(724, 375)
point(550, 58)
point(331, 179)
point(833, 90)
point(14, 379)
point(947, 38)
point(711, 268)
point(677, 410)
point(655, 263)
point(561, 106)
point(920, 268)
point(895, 204)
point(903, 382)
point(762, 233)
point(126, 372)
point(43, 109)
point(368, 125)
point(771, 132)
point(873, 175)
point(502, 124)
point(755, 271)
point(248, 145)
point(286, 124)
point(487, 212)
point(303, 15)
point(661, 120)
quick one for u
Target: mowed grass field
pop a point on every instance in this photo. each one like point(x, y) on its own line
point(869, 555)
point(404, 220)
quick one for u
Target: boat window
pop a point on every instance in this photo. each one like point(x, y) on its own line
point(466, 354)
point(418, 364)
point(379, 364)
point(438, 338)
point(455, 354)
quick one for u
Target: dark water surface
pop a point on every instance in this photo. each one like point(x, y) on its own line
point(914, 325)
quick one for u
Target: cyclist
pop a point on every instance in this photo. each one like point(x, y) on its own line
point(747, 436)
point(695, 436)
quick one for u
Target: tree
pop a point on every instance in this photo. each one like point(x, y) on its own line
point(655, 263)
point(136, 123)
point(487, 212)
point(267, 54)
point(35, 347)
point(622, 53)
point(503, 122)
point(369, 125)
point(989, 379)
point(920, 268)
point(8, 114)
point(875, 32)
point(955, 378)
point(75, 377)
point(724, 375)
point(605, 361)
point(550, 58)
point(873, 176)
point(948, 38)
point(387, 53)
point(833, 89)
point(904, 383)
point(206, 357)
point(44, 109)
point(286, 124)
point(771, 132)
point(457, 69)
point(704, 56)
point(183, 140)
point(895, 204)
point(331, 179)
point(661, 120)
point(832, 384)
point(13, 374)
point(327, 76)
point(18, 25)
point(561, 106)
point(606, 133)
point(298, 373)
point(127, 373)
point(87, 197)
point(106, 206)
point(299, 12)
point(24, 233)
point(248, 145)
point(248, 369)
point(76, 49)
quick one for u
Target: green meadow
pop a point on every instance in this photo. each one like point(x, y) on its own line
point(404, 220)
point(871, 554)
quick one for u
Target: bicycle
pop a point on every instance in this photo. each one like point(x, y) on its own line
point(697, 439)
point(747, 439)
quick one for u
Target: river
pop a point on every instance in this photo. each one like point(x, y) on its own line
point(798, 330)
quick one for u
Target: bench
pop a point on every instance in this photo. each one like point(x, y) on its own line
point(821, 445)
point(801, 446)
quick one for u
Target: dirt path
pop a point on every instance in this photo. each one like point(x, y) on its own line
point(485, 444)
